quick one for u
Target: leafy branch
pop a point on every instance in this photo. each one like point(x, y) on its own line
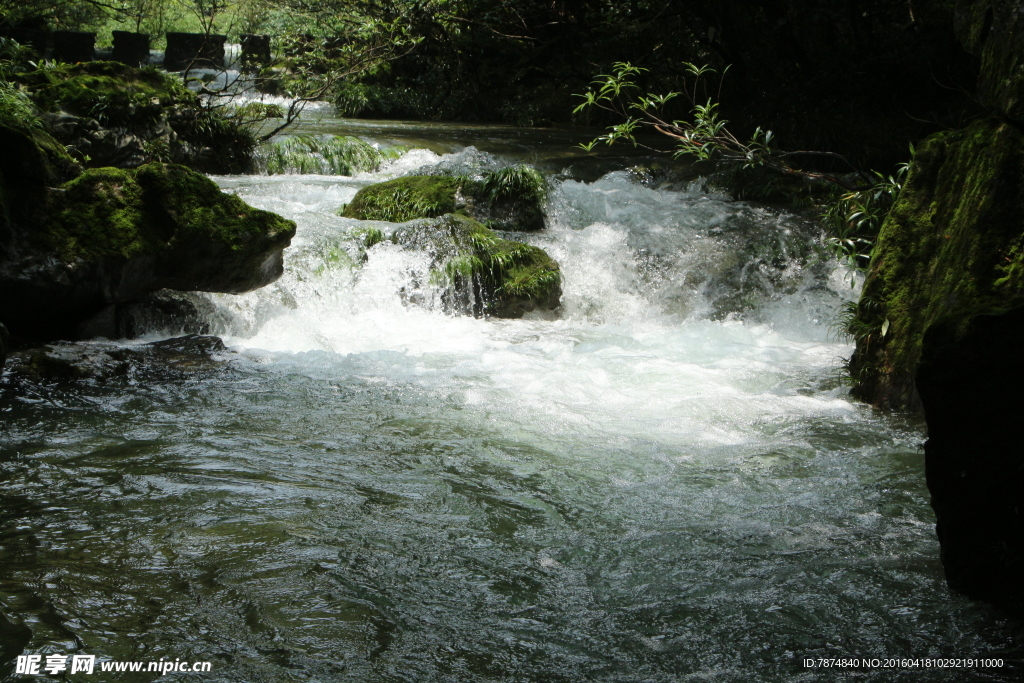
point(704, 135)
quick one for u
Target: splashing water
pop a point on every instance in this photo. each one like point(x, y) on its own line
point(664, 482)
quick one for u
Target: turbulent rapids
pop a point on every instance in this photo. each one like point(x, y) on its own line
point(662, 481)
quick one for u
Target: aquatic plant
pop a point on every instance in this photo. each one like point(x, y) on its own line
point(405, 199)
point(520, 181)
point(329, 155)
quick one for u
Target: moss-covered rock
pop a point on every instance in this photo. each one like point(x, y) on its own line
point(482, 273)
point(951, 248)
point(511, 198)
point(405, 199)
point(112, 236)
point(31, 161)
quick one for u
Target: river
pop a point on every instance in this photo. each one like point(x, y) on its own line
point(665, 482)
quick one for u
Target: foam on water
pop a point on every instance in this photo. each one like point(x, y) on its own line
point(647, 345)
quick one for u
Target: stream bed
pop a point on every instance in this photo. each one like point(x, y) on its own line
point(667, 481)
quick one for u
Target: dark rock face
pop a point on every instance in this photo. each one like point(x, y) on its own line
point(193, 49)
point(953, 245)
point(73, 46)
point(970, 382)
point(942, 315)
point(131, 48)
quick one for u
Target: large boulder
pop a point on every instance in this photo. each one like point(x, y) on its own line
point(941, 318)
point(993, 31)
point(510, 198)
point(113, 236)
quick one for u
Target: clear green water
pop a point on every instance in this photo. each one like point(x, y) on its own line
point(665, 483)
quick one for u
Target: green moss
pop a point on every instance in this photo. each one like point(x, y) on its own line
point(113, 212)
point(951, 248)
point(516, 182)
point(81, 88)
point(511, 198)
point(405, 199)
point(101, 214)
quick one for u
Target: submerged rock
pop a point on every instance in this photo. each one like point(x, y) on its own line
point(106, 362)
point(483, 274)
point(511, 198)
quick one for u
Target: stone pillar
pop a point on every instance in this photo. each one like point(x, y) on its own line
point(73, 46)
point(131, 48)
point(255, 49)
point(196, 49)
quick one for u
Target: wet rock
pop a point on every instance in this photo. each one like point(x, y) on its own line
point(482, 273)
point(162, 312)
point(108, 362)
point(107, 147)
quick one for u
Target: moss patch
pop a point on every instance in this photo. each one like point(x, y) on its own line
point(951, 248)
point(79, 89)
point(511, 198)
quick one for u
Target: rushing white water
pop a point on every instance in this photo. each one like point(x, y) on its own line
point(666, 481)
point(687, 319)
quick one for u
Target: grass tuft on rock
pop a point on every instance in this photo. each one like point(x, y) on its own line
point(327, 155)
